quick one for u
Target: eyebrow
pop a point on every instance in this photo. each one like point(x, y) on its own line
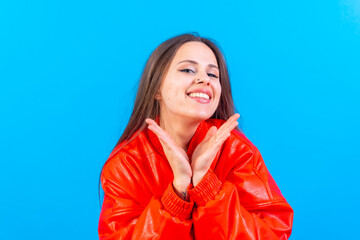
point(194, 62)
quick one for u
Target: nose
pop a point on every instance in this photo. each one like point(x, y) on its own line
point(204, 79)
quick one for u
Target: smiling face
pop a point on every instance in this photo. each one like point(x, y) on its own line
point(191, 87)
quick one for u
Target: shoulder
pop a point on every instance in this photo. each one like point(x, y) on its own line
point(120, 174)
point(131, 146)
point(123, 158)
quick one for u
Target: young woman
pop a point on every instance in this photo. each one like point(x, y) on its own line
point(182, 168)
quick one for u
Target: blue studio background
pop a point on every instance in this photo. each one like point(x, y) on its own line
point(69, 71)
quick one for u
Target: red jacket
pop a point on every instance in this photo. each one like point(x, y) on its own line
point(236, 199)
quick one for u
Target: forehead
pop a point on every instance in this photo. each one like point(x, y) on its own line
point(196, 51)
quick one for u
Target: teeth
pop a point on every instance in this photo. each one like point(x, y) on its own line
point(202, 95)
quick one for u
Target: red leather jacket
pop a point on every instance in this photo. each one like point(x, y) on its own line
point(236, 199)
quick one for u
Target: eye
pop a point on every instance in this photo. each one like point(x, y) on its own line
point(212, 75)
point(187, 70)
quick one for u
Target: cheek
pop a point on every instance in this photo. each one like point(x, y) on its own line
point(170, 92)
point(218, 91)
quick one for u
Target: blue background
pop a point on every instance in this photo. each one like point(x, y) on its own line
point(69, 70)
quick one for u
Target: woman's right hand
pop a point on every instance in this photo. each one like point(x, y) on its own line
point(177, 157)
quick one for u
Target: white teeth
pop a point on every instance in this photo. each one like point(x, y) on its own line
point(202, 95)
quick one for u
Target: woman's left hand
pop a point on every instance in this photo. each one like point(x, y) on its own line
point(206, 151)
point(177, 158)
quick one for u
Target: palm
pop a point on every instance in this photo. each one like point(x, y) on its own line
point(172, 152)
point(177, 157)
point(201, 158)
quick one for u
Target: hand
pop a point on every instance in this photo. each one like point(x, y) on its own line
point(177, 157)
point(206, 151)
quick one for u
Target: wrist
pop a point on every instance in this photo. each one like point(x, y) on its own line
point(180, 186)
point(197, 177)
point(206, 189)
point(176, 206)
point(181, 193)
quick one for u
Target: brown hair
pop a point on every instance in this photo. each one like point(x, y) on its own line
point(146, 106)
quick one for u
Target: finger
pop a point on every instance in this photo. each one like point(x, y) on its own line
point(165, 146)
point(155, 131)
point(226, 131)
point(165, 139)
point(223, 133)
point(151, 122)
point(232, 119)
point(156, 128)
point(219, 140)
point(168, 145)
point(230, 126)
point(230, 123)
point(161, 134)
point(211, 132)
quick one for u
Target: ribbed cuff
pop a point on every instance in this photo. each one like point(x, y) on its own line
point(173, 204)
point(206, 189)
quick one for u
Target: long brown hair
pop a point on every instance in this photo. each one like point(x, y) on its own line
point(146, 106)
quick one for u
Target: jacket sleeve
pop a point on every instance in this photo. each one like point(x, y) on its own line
point(124, 217)
point(247, 204)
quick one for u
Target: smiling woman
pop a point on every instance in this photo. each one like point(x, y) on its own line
point(182, 168)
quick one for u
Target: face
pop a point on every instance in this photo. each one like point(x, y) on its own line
point(191, 88)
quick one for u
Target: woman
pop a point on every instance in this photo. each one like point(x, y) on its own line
point(182, 169)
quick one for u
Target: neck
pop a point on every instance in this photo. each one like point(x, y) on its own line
point(181, 129)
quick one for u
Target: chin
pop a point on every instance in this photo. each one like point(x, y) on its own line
point(201, 116)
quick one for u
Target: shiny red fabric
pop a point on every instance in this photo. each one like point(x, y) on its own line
point(236, 199)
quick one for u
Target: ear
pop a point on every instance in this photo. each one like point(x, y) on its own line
point(158, 95)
